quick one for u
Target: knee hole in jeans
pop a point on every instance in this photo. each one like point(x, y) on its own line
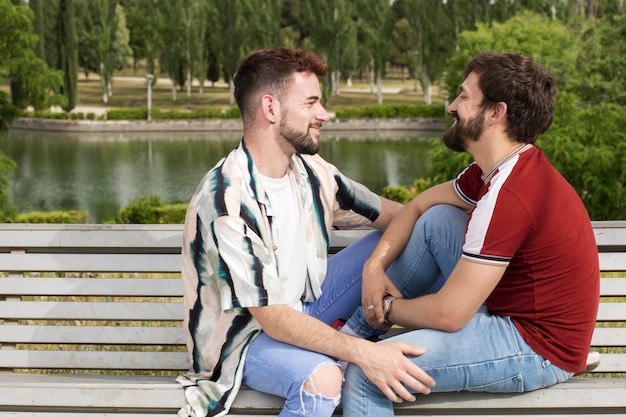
point(326, 380)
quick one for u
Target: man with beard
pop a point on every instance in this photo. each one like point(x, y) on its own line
point(496, 270)
point(259, 293)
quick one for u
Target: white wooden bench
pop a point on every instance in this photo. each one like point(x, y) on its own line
point(91, 324)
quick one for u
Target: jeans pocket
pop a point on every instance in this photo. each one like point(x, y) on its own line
point(513, 383)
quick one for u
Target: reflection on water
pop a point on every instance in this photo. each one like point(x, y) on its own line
point(101, 172)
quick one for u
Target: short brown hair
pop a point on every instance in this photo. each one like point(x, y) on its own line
point(525, 86)
point(272, 69)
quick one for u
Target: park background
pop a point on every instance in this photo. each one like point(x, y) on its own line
point(89, 59)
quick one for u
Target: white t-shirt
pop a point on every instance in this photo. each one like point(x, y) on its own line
point(289, 222)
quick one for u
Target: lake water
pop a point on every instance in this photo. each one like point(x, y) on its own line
point(101, 172)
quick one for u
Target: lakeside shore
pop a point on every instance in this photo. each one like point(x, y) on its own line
point(222, 125)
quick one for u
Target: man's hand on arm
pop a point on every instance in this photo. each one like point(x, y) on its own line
point(384, 364)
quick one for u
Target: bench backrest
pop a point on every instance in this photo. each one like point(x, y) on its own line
point(89, 298)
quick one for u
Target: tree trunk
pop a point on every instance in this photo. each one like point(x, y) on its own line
point(379, 84)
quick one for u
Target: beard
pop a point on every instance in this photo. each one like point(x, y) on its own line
point(461, 132)
point(301, 141)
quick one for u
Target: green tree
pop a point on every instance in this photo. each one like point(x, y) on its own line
point(18, 62)
point(236, 27)
point(434, 40)
point(39, 27)
point(198, 53)
point(144, 22)
point(376, 25)
point(601, 63)
point(68, 52)
point(50, 23)
point(322, 22)
point(586, 142)
point(103, 40)
point(529, 33)
point(8, 210)
point(171, 60)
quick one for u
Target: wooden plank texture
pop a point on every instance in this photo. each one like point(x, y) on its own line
point(70, 359)
point(103, 287)
point(83, 262)
point(20, 235)
point(574, 398)
point(140, 311)
point(92, 335)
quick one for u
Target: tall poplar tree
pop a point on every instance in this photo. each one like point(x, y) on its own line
point(18, 98)
point(235, 27)
point(68, 52)
point(325, 21)
point(39, 27)
point(376, 26)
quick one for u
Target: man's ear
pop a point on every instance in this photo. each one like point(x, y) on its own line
point(498, 113)
point(269, 106)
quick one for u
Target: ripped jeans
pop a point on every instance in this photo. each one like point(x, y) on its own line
point(282, 369)
point(487, 354)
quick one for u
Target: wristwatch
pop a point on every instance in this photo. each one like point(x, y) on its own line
point(387, 300)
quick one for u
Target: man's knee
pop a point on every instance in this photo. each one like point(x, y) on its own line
point(325, 380)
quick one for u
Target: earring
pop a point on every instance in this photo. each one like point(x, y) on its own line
point(272, 121)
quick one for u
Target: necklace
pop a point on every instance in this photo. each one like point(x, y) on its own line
point(486, 177)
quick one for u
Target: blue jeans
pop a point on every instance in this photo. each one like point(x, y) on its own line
point(487, 354)
point(282, 369)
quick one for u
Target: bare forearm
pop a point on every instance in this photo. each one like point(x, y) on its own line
point(295, 328)
point(385, 364)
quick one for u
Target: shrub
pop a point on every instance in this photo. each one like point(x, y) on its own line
point(207, 112)
point(139, 211)
point(171, 213)
point(65, 217)
point(132, 113)
point(232, 113)
point(150, 210)
point(391, 111)
point(398, 193)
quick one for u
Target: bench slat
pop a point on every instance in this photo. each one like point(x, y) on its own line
point(610, 233)
point(159, 287)
point(611, 312)
point(85, 262)
point(612, 261)
point(103, 335)
point(48, 359)
point(26, 235)
point(573, 398)
point(167, 262)
point(144, 311)
point(609, 337)
point(105, 287)
point(613, 287)
point(36, 310)
point(612, 363)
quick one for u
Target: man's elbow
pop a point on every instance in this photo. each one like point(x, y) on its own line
point(450, 321)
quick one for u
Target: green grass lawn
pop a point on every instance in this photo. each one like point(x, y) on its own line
point(130, 90)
